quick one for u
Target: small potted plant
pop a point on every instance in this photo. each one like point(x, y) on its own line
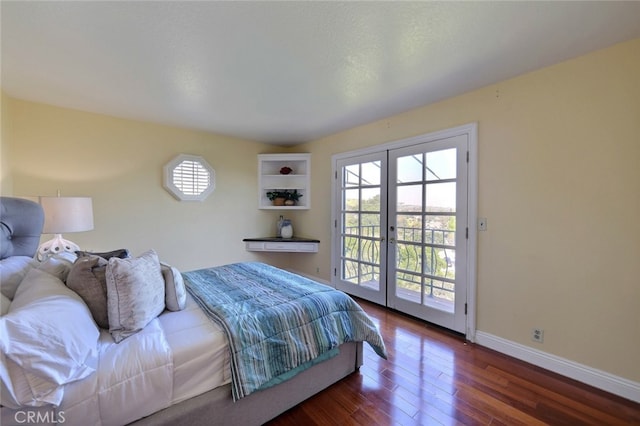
point(277, 197)
point(292, 197)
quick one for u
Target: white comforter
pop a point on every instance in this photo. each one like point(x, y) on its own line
point(175, 357)
point(134, 379)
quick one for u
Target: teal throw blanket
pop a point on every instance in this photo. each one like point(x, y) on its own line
point(277, 322)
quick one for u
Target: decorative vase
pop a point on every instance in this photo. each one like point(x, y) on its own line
point(287, 229)
point(279, 226)
point(279, 201)
point(289, 203)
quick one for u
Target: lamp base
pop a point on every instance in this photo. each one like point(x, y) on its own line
point(54, 246)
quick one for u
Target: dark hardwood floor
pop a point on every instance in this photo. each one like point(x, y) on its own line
point(434, 377)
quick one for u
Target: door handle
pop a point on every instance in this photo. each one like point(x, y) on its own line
point(392, 240)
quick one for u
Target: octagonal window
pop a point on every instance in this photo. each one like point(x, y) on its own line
point(189, 178)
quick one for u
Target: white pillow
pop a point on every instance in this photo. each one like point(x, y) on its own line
point(12, 271)
point(58, 265)
point(19, 388)
point(135, 293)
point(175, 292)
point(49, 332)
point(5, 302)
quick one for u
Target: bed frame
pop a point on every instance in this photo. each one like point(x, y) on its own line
point(216, 407)
point(21, 228)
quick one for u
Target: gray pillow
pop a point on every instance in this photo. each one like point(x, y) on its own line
point(87, 279)
point(120, 253)
point(175, 292)
point(135, 293)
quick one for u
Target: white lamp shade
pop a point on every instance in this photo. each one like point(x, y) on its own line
point(67, 214)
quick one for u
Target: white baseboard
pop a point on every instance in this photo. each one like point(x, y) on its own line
point(597, 378)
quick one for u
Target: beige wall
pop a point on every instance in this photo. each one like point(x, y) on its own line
point(119, 164)
point(559, 181)
point(6, 181)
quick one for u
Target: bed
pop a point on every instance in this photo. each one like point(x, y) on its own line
point(194, 362)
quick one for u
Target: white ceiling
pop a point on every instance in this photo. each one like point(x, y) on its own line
point(286, 72)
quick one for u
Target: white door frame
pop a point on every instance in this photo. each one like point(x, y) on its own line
point(471, 130)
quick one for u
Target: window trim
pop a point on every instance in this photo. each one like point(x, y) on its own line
point(170, 169)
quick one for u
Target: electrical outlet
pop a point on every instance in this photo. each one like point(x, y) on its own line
point(537, 335)
point(482, 224)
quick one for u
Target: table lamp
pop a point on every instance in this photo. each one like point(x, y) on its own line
point(64, 214)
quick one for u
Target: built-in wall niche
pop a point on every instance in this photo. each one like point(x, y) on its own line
point(284, 181)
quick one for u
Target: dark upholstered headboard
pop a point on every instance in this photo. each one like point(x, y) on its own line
point(21, 226)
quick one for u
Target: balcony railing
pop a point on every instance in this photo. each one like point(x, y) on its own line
point(425, 259)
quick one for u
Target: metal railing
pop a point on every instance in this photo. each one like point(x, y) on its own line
point(423, 265)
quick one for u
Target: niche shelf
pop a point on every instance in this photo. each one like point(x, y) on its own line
point(270, 179)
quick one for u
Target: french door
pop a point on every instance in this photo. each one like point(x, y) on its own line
point(362, 225)
point(401, 228)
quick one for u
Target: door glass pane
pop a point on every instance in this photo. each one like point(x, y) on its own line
point(351, 223)
point(409, 257)
point(370, 199)
point(440, 230)
point(351, 175)
point(408, 286)
point(441, 197)
point(370, 251)
point(349, 247)
point(439, 262)
point(409, 198)
point(439, 294)
point(370, 276)
point(371, 173)
point(410, 169)
point(350, 271)
point(351, 199)
point(370, 225)
point(441, 165)
point(409, 228)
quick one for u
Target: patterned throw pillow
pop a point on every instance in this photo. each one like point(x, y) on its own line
point(135, 293)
